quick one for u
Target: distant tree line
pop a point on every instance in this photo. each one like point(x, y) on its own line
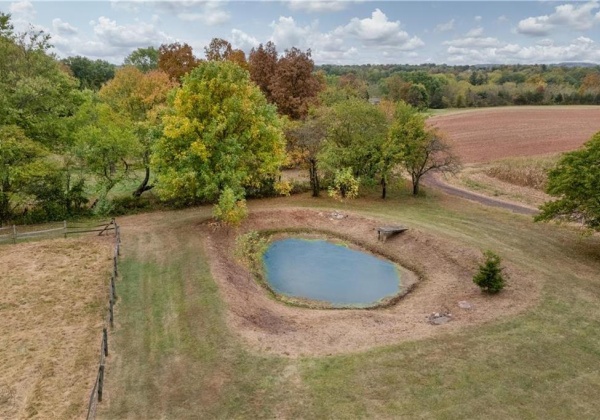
point(442, 86)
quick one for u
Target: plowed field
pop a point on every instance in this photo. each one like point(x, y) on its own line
point(488, 134)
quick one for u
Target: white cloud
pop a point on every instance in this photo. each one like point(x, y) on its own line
point(478, 18)
point(445, 27)
point(314, 6)
point(243, 41)
point(287, 34)
point(502, 19)
point(132, 35)
point(63, 28)
point(579, 49)
point(23, 9)
point(379, 31)
point(209, 13)
point(578, 17)
point(475, 32)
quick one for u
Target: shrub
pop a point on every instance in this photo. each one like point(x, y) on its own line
point(345, 185)
point(249, 249)
point(229, 209)
point(489, 277)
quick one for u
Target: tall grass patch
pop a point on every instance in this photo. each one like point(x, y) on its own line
point(529, 172)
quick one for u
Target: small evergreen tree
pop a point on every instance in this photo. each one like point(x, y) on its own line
point(489, 277)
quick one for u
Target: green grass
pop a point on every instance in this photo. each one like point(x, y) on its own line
point(176, 357)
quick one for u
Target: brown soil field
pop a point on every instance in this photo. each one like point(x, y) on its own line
point(51, 310)
point(488, 134)
point(445, 269)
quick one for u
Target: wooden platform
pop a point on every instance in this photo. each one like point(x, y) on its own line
point(385, 232)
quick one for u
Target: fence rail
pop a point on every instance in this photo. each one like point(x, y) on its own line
point(98, 388)
point(14, 233)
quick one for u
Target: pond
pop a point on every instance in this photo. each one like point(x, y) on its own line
point(323, 271)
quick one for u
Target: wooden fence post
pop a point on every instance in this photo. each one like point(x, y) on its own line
point(113, 289)
point(14, 234)
point(100, 382)
point(105, 341)
point(111, 315)
point(65, 228)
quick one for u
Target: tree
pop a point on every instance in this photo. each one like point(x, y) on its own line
point(219, 132)
point(176, 60)
point(218, 50)
point(230, 209)
point(17, 152)
point(345, 185)
point(36, 93)
point(576, 182)
point(489, 277)
point(145, 59)
point(140, 98)
point(105, 143)
point(294, 86)
point(262, 63)
point(356, 134)
point(307, 137)
point(422, 150)
point(92, 74)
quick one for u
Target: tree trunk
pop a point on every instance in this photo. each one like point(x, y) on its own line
point(416, 185)
point(383, 188)
point(314, 178)
point(144, 185)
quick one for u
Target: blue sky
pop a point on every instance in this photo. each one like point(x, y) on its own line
point(339, 32)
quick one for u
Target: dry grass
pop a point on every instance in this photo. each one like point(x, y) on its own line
point(51, 310)
point(529, 172)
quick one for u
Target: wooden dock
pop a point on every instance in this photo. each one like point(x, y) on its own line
point(385, 232)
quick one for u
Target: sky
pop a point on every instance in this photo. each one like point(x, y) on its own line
point(337, 32)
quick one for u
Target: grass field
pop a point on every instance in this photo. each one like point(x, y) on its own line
point(51, 310)
point(176, 357)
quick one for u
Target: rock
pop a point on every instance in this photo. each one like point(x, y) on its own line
point(440, 320)
point(463, 304)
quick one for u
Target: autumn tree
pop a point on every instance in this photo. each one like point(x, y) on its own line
point(145, 59)
point(294, 86)
point(218, 50)
point(307, 137)
point(176, 60)
point(219, 133)
point(262, 63)
point(140, 97)
point(575, 182)
point(421, 149)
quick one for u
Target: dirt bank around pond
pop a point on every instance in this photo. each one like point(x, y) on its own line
point(446, 270)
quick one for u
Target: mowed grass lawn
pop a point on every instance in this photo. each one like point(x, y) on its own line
point(175, 358)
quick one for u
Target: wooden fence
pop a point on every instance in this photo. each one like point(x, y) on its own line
point(15, 233)
point(96, 394)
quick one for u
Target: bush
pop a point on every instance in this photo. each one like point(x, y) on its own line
point(345, 185)
point(229, 209)
point(489, 277)
point(249, 249)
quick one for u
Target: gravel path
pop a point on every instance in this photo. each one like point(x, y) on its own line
point(433, 181)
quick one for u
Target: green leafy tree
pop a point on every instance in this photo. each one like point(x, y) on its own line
point(575, 181)
point(36, 93)
point(144, 59)
point(105, 143)
point(356, 135)
point(421, 150)
point(489, 277)
point(219, 132)
point(92, 74)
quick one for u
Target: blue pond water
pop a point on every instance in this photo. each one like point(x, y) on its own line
point(321, 270)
